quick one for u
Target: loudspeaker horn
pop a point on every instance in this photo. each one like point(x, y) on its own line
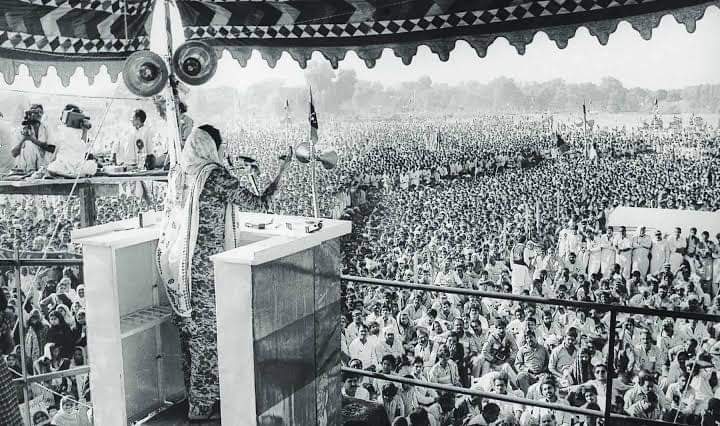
point(145, 73)
point(328, 159)
point(195, 62)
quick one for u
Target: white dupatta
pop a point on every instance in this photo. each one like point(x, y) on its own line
point(176, 247)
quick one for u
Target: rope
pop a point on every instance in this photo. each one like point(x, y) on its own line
point(56, 393)
point(66, 203)
point(74, 96)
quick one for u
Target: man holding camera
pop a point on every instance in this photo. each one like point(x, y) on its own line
point(32, 151)
point(137, 148)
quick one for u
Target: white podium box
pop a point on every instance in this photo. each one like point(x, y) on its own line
point(133, 349)
point(278, 308)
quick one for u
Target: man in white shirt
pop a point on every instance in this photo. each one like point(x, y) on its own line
point(137, 147)
point(659, 252)
point(607, 253)
point(361, 348)
point(678, 246)
point(623, 245)
point(33, 150)
point(641, 245)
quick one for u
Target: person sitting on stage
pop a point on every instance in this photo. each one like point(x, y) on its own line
point(199, 197)
point(136, 149)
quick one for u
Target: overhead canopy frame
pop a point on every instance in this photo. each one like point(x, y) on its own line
point(68, 34)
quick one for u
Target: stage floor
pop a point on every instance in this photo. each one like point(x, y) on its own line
point(176, 416)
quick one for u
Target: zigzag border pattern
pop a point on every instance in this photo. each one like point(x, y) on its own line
point(115, 7)
point(391, 27)
point(70, 45)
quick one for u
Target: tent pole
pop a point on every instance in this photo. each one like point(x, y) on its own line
point(171, 102)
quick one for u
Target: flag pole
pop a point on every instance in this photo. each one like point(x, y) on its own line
point(313, 183)
point(585, 129)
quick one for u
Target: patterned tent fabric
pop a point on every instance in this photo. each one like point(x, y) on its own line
point(71, 33)
point(334, 27)
point(89, 33)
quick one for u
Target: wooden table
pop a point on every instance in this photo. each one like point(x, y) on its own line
point(87, 189)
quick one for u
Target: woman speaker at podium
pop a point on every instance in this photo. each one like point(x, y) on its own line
point(199, 224)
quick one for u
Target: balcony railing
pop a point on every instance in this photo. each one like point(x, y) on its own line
point(606, 415)
point(26, 380)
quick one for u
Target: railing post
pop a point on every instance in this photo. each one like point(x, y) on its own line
point(21, 330)
point(610, 366)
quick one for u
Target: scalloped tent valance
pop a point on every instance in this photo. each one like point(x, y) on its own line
point(68, 34)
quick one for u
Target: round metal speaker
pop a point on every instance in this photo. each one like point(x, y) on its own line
point(145, 73)
point(195, 62)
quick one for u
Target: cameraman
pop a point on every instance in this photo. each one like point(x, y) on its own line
point(32, 150)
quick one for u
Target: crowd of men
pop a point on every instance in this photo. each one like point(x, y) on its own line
point(542, 232)
point(486, 204)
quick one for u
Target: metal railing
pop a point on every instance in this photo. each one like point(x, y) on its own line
point(25, 380)
point(607, 415)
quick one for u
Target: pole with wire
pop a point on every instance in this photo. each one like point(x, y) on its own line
point(21, 324)
point(313, 141)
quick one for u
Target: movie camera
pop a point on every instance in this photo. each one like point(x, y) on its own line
point(73, 117)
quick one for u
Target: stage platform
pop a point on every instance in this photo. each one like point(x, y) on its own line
point(176, 416)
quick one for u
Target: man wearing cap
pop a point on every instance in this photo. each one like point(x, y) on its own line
point(641, 246)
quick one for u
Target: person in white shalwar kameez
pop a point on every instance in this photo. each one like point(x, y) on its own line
point(520, 277)
point(607, 253)
point(623, 245)
point(659, 252)
point(595, 254)
point(678, 246)
point(641, 245)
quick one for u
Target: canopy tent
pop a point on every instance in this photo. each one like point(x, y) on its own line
point(89, 33)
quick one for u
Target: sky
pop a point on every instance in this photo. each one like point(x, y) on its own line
point(673, 58)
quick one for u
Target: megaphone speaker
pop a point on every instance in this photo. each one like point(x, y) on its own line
point(328, 159)
point(145, 73)
point(195, 62)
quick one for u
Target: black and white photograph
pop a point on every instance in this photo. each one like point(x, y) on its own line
point(359, 212)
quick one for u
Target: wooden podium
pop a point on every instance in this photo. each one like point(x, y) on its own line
point(278, 309)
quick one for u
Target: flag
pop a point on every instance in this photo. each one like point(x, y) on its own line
point(313, 120)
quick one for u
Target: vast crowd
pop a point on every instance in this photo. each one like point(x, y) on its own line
point(487, 204)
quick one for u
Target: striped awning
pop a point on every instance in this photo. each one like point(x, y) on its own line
point(68, 34)
point(88, 33)
point(334, 27)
